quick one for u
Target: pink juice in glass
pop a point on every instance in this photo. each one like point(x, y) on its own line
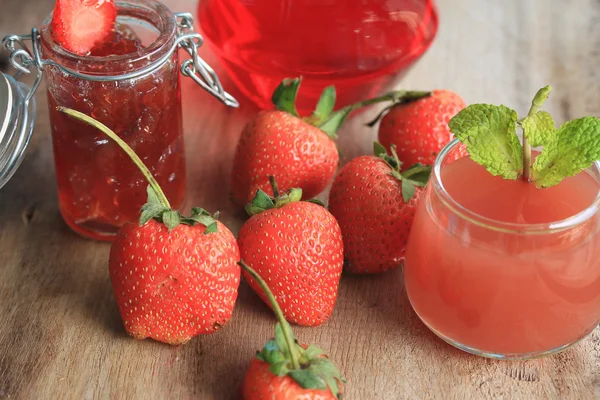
point(500, 268)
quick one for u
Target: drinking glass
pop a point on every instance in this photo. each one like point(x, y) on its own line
point(499, 289)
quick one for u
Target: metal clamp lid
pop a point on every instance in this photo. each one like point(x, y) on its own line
point(196, 68)
point(17, 105)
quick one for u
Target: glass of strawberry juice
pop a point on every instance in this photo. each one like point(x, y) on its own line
point(501, 269)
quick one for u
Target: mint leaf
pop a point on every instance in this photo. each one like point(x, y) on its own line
point(489, 133)
point(539, 128)
point(573, 148)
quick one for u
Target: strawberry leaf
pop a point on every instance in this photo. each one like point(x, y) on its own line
point(199, 211)
point(153, 207)
point(311, 352)
point(280, 340)
point(171, 219)
point(418, 174)
point(284, 97)
point(408, 190)
point(307, 379)
point(333, 385)
point(152, 196)
point(262, 200)
point(271, 354)
point(334, 122)
point(280, 368)
point(324, 106)
point(324, 367)
point(379, 150)
point(150, 211)
point(212, 228)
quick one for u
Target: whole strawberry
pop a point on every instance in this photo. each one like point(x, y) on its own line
point(285, 370)
point(301, 152)
point(297, 247)
point(419, 128)
point(374, 203)
point(174, 277)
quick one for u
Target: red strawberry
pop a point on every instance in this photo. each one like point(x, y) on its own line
point(297, 247)
point(174, 277)
point(419, 128)
point(300, 151)
point(285, 370)
point(276, 142)
point(78, 25)
point(374, 203)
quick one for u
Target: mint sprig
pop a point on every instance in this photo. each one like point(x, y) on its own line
point(489, 133)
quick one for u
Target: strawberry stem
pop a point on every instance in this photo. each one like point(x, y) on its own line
point(393, 96)
point(274, 186)
point(539, 99)
point(136, 160)
point(335, 120)
point(287, 329)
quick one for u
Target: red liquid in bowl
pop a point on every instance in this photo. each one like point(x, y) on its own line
point(361, 47)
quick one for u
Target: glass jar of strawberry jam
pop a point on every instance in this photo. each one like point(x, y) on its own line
point(130, 83)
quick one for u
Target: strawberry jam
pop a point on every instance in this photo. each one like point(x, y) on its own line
point(99, 188)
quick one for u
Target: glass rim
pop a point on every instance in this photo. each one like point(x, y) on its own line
point(502, 226)
point(167, 32)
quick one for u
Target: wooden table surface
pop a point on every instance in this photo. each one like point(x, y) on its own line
point(60, 332)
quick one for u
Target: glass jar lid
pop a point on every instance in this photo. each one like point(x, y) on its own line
point(17, 115)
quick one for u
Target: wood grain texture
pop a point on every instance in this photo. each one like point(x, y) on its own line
point(60, 333)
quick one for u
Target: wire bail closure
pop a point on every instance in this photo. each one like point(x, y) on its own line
point(24, 61)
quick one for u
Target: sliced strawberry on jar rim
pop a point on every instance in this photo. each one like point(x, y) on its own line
point(79, 25)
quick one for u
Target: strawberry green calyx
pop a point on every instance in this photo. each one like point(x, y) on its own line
point(415, 176)
point(284, 96)
point(157, 206)
point(324, 117)
point(263, 202)
point(308, 367)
